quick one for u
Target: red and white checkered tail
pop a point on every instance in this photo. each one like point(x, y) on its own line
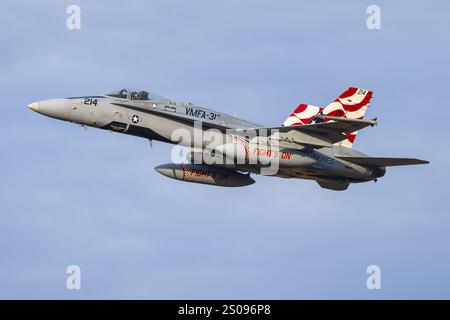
point(351, 104)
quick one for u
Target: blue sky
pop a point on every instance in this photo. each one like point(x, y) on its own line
point(92, 198)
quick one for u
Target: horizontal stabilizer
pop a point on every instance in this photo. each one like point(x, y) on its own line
point(371, 122)
point(348, 125)
point(383, 162)
point(323, 134)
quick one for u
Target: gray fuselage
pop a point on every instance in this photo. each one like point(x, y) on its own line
point(157, 118)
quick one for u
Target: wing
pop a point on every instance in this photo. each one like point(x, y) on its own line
point(383, 162)
point(334, 130)
point(319, 135)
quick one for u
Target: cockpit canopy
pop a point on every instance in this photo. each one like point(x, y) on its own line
point(133, 94)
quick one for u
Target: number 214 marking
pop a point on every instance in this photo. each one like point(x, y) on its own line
point(89, 102)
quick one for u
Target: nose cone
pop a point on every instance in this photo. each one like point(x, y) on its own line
point(34, 106)
point(55, 108)
point(168, 170)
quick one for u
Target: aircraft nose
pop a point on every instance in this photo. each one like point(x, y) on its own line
point(55, 108)
point(34, 106)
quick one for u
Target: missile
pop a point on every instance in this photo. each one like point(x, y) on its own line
point(205, 174)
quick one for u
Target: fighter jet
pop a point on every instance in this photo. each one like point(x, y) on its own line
point(314, 142)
